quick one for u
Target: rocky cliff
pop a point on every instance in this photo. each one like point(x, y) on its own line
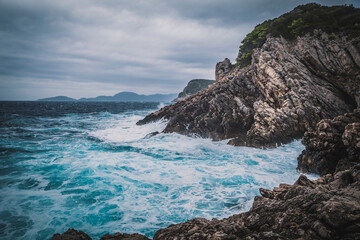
point(193, 87)
point(288, 88)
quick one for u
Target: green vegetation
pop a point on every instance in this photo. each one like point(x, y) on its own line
point(303, 19)
point(194, 86)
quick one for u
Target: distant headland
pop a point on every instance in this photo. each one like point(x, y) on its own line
point(119, 97)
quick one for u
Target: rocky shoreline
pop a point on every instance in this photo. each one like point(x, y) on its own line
point(327, 208)
point(288, 88)
point(309, 88)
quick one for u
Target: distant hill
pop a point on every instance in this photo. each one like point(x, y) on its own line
point(131, 97)
point(119, 97)
point(57, 99)
point(193, 87)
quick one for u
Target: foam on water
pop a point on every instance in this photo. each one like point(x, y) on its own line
point(100, 173)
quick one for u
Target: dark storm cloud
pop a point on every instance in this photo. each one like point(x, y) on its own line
point(87, 48)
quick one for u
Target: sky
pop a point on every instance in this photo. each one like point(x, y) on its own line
point(87, 48)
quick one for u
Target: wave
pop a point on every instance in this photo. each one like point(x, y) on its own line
point(109, 173)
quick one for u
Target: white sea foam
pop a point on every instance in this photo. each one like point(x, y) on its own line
point(126, 130)
point(129, 183)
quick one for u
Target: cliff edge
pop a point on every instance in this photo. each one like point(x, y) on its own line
point(288, 88)
point(290, 85)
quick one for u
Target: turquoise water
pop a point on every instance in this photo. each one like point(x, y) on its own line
point(98, 172)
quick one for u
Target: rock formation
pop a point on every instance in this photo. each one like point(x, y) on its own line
point(222, 69)
point(193, 87)
point(288, 88)
point(333, 145)
point(71, 234)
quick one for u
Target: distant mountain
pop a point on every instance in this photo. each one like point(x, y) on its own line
point(193, 87)
point(131, 97)
point(119, 97)
point(57, 99)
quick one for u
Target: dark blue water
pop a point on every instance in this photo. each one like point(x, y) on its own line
point(88, 166)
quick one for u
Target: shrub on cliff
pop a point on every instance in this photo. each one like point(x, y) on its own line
point(303, 19)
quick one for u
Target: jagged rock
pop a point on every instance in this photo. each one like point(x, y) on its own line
point(327, 208)
point(222, 69)
point(223, 110)
point(193, 87)
point(71, 234)
point(288, 88)
point(334, 144)
point(124, 236)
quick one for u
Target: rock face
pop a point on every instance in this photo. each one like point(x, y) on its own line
point(71, 234)
point(288, 88)
point(333, 145)
point(124, 236)
point(222, 69)
point(193, 87)
point(328, 208)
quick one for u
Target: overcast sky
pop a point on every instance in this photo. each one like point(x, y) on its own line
point(86, 48)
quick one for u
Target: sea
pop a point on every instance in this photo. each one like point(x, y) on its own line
point(88, 166)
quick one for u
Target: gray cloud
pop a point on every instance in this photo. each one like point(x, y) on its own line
point(87, 48)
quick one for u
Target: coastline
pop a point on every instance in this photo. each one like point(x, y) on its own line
point(305, 87)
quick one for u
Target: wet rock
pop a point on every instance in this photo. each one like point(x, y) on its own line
point(124, 236)
point(288, 88)
point(152, 134)
point(266, 193)
point(71, 234)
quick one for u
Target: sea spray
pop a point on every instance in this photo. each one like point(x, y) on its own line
point(98, 172)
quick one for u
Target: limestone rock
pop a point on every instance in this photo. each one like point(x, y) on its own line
point(71, 234)
point(334, 144)
point(222, 69)
point(288, 88)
